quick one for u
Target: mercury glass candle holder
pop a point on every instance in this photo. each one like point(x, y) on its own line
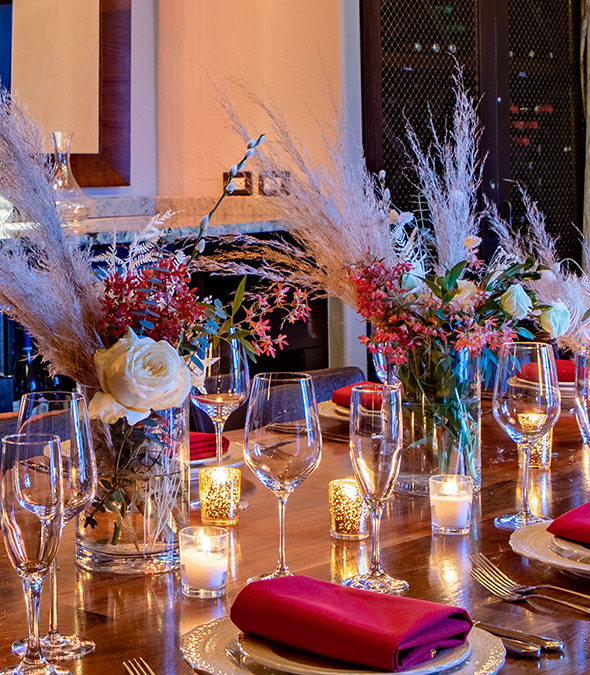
point(219, 494)
point(540, 457)
point(348, 510)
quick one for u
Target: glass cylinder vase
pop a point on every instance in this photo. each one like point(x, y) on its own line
point(442, 413)
point(142, 500)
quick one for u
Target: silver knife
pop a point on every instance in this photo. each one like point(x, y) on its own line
point(522, 649)
point(546, 644)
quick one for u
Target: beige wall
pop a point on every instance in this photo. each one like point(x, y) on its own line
point(290, 48)
point(55, 67)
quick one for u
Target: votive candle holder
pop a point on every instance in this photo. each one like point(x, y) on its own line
point(451, 496)
point(540, 455)
point(204, 555)
point(348, 510)
point(219, 494)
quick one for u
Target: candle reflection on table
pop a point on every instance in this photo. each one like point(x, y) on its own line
point(348, 559)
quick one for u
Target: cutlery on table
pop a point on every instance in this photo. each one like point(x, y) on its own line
point(544, 643)
point(480, 560)
point(522, 649)
point(138, 667)
point(510, 590)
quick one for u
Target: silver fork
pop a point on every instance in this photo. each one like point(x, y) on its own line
point(134, 667)
point(502, 586)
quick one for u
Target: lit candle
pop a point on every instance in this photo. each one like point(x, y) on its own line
point(219, 494)
point(450, 502)
point(540, 453)
point(348, 510)
point(203, 561)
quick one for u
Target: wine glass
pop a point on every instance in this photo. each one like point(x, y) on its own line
point(375, 451)
point(385, 369)
point(63, 414)
point(582, 404)
point(226, 384)
point(526, 404)
point(31, 507)
point(283, 443)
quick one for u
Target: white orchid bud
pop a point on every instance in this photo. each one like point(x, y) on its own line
point(204, 222)
point(233, 170)
point(248, 153)
point(201, 246)
point(230, 187)
point(261, 139)
point(251, 144)
point(386, 194)
point(382, 175)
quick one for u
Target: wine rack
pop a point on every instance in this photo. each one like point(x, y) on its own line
point(520, 60)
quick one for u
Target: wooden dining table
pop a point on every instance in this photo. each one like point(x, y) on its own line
point(145, 616)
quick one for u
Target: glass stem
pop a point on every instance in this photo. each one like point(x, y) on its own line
point(219, 424)
point(376, 513)
point(524, 510)
point(52, 632)
point(282, 569)
point(32, 584)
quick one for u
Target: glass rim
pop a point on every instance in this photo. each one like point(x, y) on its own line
point(523, 343)
point(30, 439)
point(76, 395)
point(458, 477)
point(207, 530)
point(376, 386)
point(287, 376)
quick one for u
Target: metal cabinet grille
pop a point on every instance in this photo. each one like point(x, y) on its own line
point(520, 58)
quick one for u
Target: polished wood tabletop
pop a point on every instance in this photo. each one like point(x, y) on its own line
point(145, 616)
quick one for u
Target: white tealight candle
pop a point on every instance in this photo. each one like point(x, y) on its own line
point(204, 561)
point(202, 569)
point(450, 502)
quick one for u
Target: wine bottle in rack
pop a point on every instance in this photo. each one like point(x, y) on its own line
point(29, 374)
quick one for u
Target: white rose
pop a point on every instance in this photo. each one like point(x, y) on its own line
point(516, 302)
point(556, 320)
point(583, 334)
point(467, 291)
point(138, 375)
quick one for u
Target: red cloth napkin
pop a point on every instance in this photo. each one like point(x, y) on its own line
point(202, 445)
point(369, 629)
point(566, 371)
point(574, 525)
point(342, 396)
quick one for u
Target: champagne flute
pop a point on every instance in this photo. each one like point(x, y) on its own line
point(31, 507)
point(375, 451)
point(226, 385)
point(526, 404)
point(283, 443)
point(63, 414)
point(583, 393)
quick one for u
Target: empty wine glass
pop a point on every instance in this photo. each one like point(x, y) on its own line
point(582, 401)
point(526, 404)
point(375, 451)
point(283, 443)
point(63, 414)
point(226, 385)
point(31, 507)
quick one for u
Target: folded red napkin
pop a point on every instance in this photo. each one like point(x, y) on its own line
point(369, 629)
point(342, 396)
point(566, 371)
point(574, 525)
point(202, 445)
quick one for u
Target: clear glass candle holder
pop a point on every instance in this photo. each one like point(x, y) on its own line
point(348, 510)
point(219, 494)
point(204, 554)
point(451, 497)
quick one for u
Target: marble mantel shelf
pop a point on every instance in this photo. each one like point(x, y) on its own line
point(128, 215)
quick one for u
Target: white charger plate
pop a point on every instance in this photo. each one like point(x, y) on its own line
point(535, 543)
point(334, 412)
point(213, 648)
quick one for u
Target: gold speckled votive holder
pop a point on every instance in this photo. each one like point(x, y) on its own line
point(219, 494)
point(348, 510)
point(540, 457)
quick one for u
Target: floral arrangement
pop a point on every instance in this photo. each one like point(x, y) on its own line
point(131, 331)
